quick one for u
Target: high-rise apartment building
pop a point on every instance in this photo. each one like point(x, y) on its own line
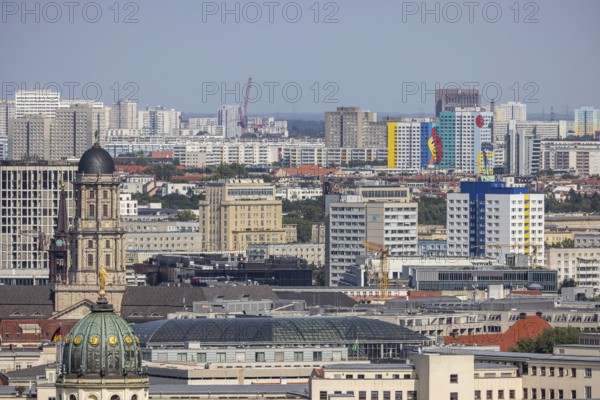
point(347, 127)
point(238, 212)
point(453, 98)
point(29, 137)
point(228, 117)
point(413, 145)
point(522, 151)
point(29, 201)
point(68, 135)
point(493, 220)
point(72, 132)
point(123, 115)
point(580, 157)
point(587, 121)
point(159, 121)
point(44, 102)
point(7, 111)
point(382, 215)
point(466, 140)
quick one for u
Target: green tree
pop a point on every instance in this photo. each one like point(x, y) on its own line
point(164, 172)
point(184, 215)
point(546, 341)
point(568, 282)
point(304, 227)
point(432, 211)
point(318, 274)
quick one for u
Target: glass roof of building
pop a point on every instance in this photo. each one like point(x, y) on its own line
point(315, 330)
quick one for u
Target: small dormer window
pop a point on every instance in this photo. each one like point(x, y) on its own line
point(17, 314)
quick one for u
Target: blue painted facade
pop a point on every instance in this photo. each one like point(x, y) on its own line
point(477, 192)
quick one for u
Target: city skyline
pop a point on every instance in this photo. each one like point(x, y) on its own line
point(212, 59)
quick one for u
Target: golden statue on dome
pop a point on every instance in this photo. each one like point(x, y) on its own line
point(102, 275)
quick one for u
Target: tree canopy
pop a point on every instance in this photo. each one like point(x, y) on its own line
point(546, 341)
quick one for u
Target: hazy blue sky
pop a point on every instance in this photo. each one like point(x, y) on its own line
point(179, 53)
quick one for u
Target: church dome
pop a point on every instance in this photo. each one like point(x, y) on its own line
point(96, 161)
point(102, 344)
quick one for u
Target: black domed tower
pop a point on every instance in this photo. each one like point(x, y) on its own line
point(97, 234)
point(102, 359)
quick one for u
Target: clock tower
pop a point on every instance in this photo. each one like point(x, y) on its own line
point(96, 237)
point(59, 245)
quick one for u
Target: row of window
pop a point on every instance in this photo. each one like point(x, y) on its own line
point(374, 395)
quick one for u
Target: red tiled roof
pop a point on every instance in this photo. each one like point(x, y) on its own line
point(530, 327)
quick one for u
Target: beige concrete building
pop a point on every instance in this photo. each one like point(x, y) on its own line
point(427, 376)
point(581, 264)
point(29, 137)
point(146, 234)
point(556, 235)
point(347, 127)
point(238, 212)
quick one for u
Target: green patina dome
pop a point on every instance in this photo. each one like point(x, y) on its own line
point(102, 344)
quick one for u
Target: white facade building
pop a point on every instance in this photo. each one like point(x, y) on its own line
point(123, 115)
point(159, 121)
point(43, 102)
point(491, 220)
point(353, 219)
point(580, 264)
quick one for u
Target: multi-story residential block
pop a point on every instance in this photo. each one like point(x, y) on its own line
point(238, 212)
point(522, 152)
point(586, 239)
point(68, 135)
point(382, 215)
point(159, 121)
point(29, 199)
point(466, 136)
point(413, 145)
point(123, 115)
point(313, 253)
point(503, 114)
point(452, 98)
point(581, 264)
point(267, 126)
point(3, 148)
point(29, 137)
point(299, 193)
point(582, 158)
point(228, 116)
point(493, 220)
point(128, 206)
point(147, 235)
point(7, 111)
point(44, 102)
point(375, 134)
point(347, 127)
point(587, 121)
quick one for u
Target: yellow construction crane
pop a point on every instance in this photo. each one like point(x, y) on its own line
point(383, 267)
